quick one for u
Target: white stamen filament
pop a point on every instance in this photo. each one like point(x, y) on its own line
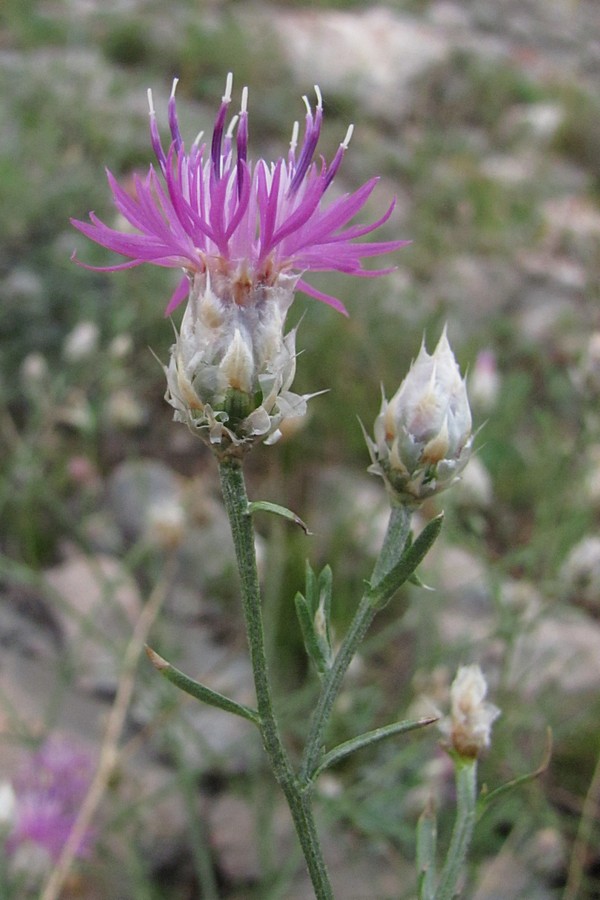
point(346, 140)
point(228, 88)
point(319, 97)
point(307, 104)
point(174, 88)
point(244, 105)
point(198, 138)
point(231, 129)
point(151, 102)
point(294, 139)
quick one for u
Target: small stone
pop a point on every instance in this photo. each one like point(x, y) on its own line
point(559, 653)
point(374, 54)
point(474, 489)
point(580, 573)
point(539, 121)
point(81, 342)
point(137, 493)
point(233, 836)
point(509, 170)
point(97, 605)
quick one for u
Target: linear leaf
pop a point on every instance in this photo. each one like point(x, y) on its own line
point(383, 591)
point(200, 691)
point(370, 737)
point(275, 509)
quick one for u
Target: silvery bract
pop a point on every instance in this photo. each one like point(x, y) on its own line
point(422, 436)
point(231, 366)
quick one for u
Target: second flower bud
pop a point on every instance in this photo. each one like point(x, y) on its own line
point(422, 436)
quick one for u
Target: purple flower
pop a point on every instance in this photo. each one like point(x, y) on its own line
point(212, 212)
point(49, 790)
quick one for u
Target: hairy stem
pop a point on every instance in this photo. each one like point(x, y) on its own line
point(466, 802)
point(242, 529)
point(391, 551)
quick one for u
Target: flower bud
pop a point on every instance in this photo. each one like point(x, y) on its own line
point(469, 726)
point(423, 434)
point(231, 366)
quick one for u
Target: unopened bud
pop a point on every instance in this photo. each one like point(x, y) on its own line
point(469, 726)
point(423, 434)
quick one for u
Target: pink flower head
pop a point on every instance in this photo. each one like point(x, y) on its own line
point(49, 791)
point(211, 211)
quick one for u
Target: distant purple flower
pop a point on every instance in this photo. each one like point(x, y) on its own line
point(215, 213)
point(49, 790)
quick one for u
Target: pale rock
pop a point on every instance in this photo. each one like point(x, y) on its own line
point(540, 121)
point(475, 287)
point(345, 503)
point(509, 170)
point(81, 342)
point(97, 604)
point(560, 652)
point(162, 824)
point(465, 617)
point(507, 877)
point(373, 54)
point(474, 489)
point(572, 214)
point(137, 491)
point(580, 573)
point(234, 829)
point(545, 315)
point(203, 737)
point(448, 15)
point(547, 853)
point(23, 286)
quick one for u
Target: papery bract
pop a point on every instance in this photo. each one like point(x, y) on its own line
point(232, 367)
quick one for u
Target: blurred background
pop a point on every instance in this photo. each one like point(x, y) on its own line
point(483, 119)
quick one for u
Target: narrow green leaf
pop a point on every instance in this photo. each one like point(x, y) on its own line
point(396, 542)
point(370, 737)
point(313, 645)
point(426, 849)
point(312, 589)
point(383, 590)
point(275, 509)
point(325, 592)
point(486, 798)
point(200, 691)
point(465, 773)
point(322, 616)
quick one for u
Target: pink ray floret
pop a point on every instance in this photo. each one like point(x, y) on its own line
point(210, 210)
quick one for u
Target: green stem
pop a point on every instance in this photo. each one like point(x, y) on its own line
point(466, 804)
point(391, 551)
point(242, 529)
